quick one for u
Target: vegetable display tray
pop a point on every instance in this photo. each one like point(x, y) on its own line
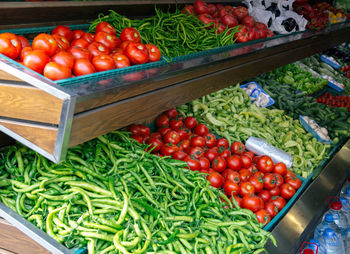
point(309, 129)
point(255, 93)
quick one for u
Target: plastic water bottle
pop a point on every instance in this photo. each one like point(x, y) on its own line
point(346, 192)
point(332, 242)
point(339, 216)
point(313, 247)
point(346, 240)
point(328, 222)
point(346, 207)
point(346, 184)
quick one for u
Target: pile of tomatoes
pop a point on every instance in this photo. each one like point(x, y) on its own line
point(65, 53)
point(228, 16)
point(334, 100)
point(255, 182)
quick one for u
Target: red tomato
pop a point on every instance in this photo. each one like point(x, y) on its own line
point(222, 142)
point(210, 140)
point(164, 130)
point(271, 208)
point(24, 41)
point(287, 191)
point(246, 161)
point(257, 182)
point(244, 174)
point(229, 20)
point(88, 37)
point(97, 48)
point(144, 130)
point(211, 154)
point(234, 162)
point(216, 180)
point(250, 154)
point(120, 61)
point(124, 45)
point(172, 137)
point(105, 27)
point(168, 149)
point(77, 34)
point(62, 42)
point(155, 144)
point(63, 58)
point(232, 176)
point(130, 34)
point(294, 181)
point(279, 179)
point(171, 113)
point(155, 135)
point(242, 35)
point(162, 121)
point(179, 155)
point(280, 168)
point(276, 191)
point(240, 12)
point(79, 53)
point(134, 128)
point(24, 52)
point(260, 33)
point(201, 130)
point(45, 42)
point(176, 123)
point(205, 163)
point(81, 43)
point(188, 9)
point(193, 163)
point(183, 133)
point(219, 164)
point(263, 216)
point(247, 188)
point(265, 164)
point(231, 188)
point(195, 152)
point(36, 60)
point(252, 168)
point(103, 62)
point(137, 53)
point(109, 40)
point(224, 12)
point(237, 147)
point(83, 66)
point(265, 195)
point(190, 122)
point(198, 141)
point(248, 21)
point(55, 71)
point(137, 137)
point(10, 45)
point(258, 174)
point(225, 154)
point(278, 201)
point(154, 53)
point(184, 144)
point(270, 181)
point(238, 200)
point(252, 202)
point(289, 174)
point(65, 32)
point(259, 25)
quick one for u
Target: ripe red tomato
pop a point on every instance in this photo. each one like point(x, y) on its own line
point(139, 138)
point(263, 216)
point(294, 181)
point(247, 188)
point(124, 45)
point(280, 168)
point(162, 121)
point(279, 179)
point(65, 32)
point(109, 40)
point(24, 52)
point(252, 202)
point(10, 45)
point(176, 124)
point(289, 174)
point(79, 53)
point(218, 164)
point(172, 137)
point(155, 135)
point(144, 130)
point(155, 143)
point(265, 195)
point(188, 9)
point(240, 12)
point(154, 53)
point(258, 174)
point(287, 191)
point(246, 161)
point(83, 66)
point(88, 37)
point(77, 34)
point(252, 168)
point(55, 71)
point(183, 133)
point(225, 154)
point(265, 164)
point(276, 191)
point(201, 129)
point(248, 21)
point(193, 163)
point(137, 53)
point(222, 142)
point(242, 35)
point(103, 62)
point(81, 43)
point(205, 163)
point(62, 42)
point(63, 58)
point(24, 41)
point(163, 130)
point(198, 141)
point(36, 60)
point(179, 155)
point(184, 144)
point(234, 162)
point(105, 27)
point(244, 174)
point(45, 42)
point(271, 208)
point(250, 154)
point(211, 154)
point(257, 182)
point(171, 113)
point(231, 175)
point(231, 188)
point(97, 48)
point(210, 140)
point(270, 181)
point(134, 128)
point(278, 201)
point(237, 147)
point(229, 20)
point(168, 149)
point(130, 34)
point(216, 180)
point(120, 61)
point(190, 122)
point(260, 25)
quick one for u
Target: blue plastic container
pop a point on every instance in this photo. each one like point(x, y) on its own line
point(312, 131)
point(256, 92)
point(329, 62)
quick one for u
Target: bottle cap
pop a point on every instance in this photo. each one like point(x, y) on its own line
point(315, 241)
point(328, 217)
point(336, 205)
point(328, 232)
